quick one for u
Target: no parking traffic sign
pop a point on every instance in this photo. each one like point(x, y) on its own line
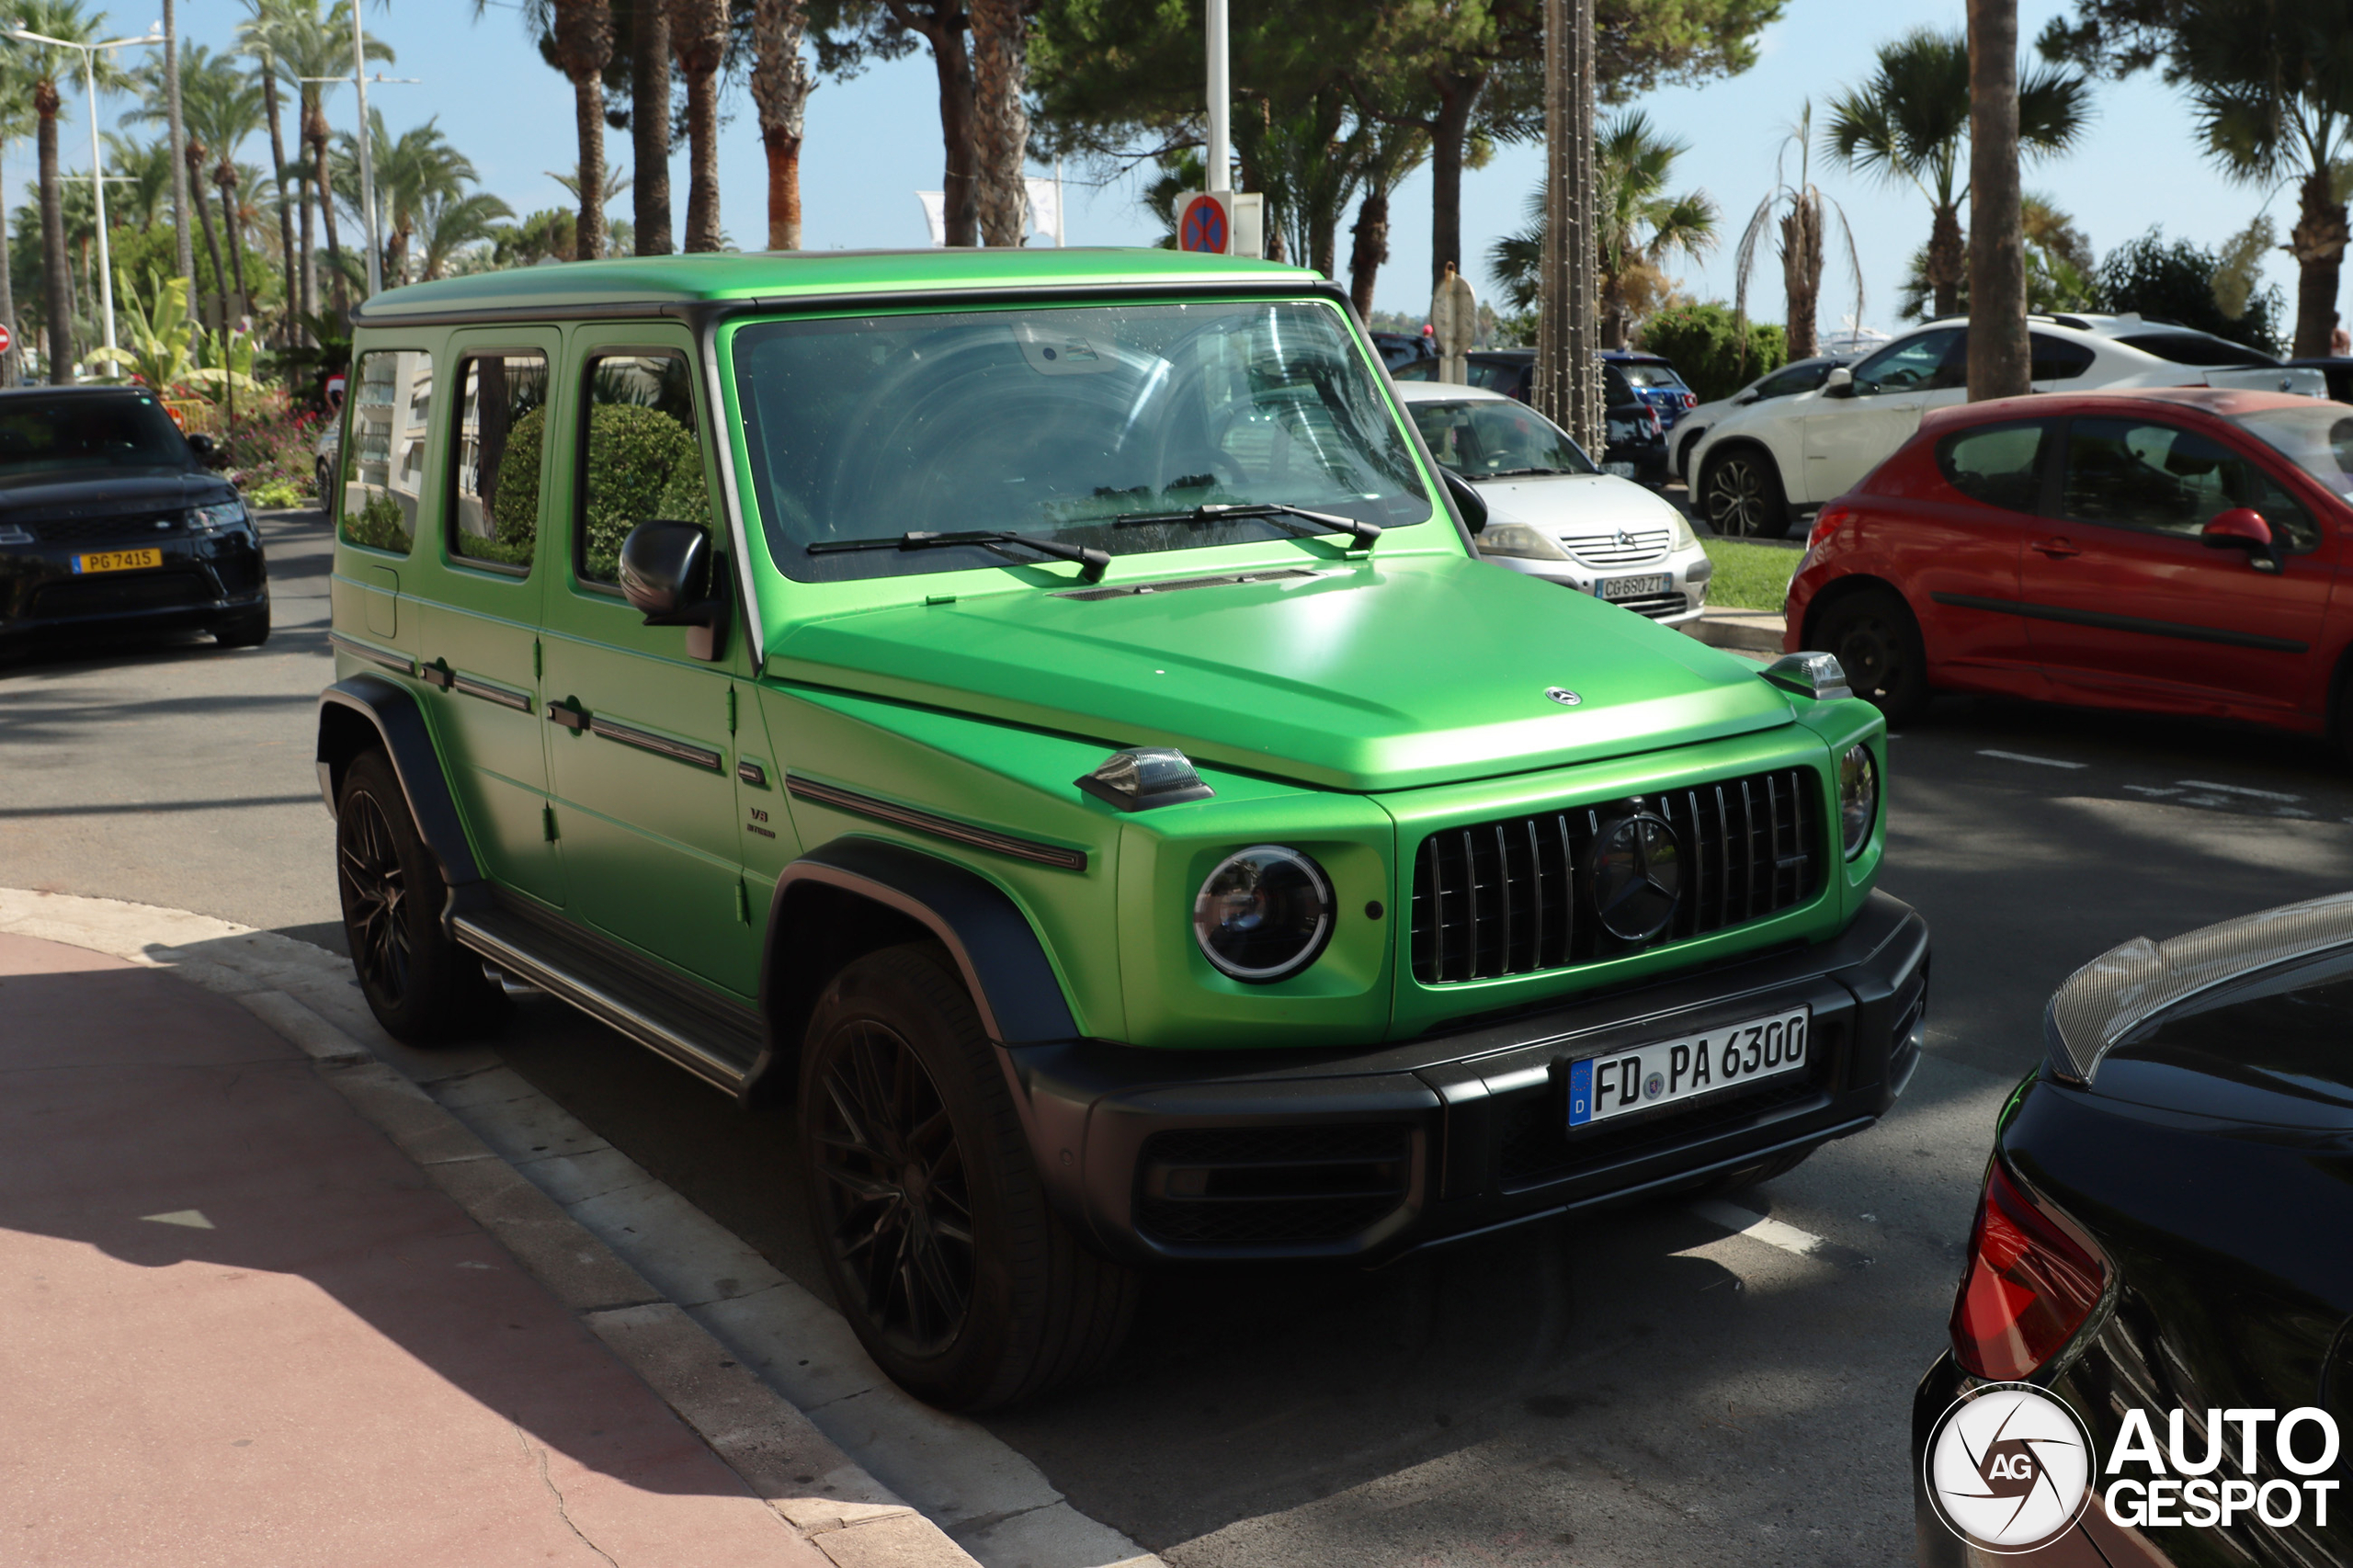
point(1204, 224)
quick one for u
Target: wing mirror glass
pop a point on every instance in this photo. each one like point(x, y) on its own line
point(1839, 383)
point(666, 575)
point(2242, 527)
point(1467, 501)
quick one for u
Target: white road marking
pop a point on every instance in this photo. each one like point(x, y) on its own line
point(1757, 1227)
point(192, 1218)
point(2021, 756)
point(2239, 790)
point(2151, 790)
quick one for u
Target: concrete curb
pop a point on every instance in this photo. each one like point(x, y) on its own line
point(708, 1337)
point(1748, 631)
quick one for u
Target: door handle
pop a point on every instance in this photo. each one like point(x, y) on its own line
point(2056, 549)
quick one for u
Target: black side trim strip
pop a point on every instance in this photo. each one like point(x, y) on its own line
point(373, 654)
point(490, 691)
point(661, 746)
point(2124, 624)
point(937, 826)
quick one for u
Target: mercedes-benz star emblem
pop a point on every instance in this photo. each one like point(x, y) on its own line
point(1563, 695)
point(1637, 877)
point(1625, 540)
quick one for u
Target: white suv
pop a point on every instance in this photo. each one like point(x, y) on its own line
point(1757, 469)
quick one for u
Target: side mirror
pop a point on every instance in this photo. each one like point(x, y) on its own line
point(1467, 501)
point(1745, 399)
point(2242, 527)
point(208, 451)
point(666, 576)
point(1839, 383)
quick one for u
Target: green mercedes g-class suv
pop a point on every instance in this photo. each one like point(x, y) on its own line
point(1044, 713)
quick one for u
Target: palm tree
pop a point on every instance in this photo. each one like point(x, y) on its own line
point(584, 43)
point(447, 221)
point(1798, 212)
point(1908, 123)
point(1387, 154)
point(699, 43)
point(1637, 227)
point(615, 181)
point(649, 124)
point(1000, 121)
point(48, 69)
point(257, 35)
point(219, 108)
point(17, 122)
point(782, 83)
point(420, 166)
point(145, 200)
point(311, 46)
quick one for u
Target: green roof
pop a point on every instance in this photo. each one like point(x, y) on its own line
point(784, 276)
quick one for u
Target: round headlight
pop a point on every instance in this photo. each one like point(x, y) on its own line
point(1264, 914)
point(1857, 797)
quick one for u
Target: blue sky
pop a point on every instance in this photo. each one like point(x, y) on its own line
point(873, 141)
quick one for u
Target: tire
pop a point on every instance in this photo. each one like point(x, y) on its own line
point(248, 630)
point(422, 987)
point(943, 1251)
point(1740, 496)
point(1878, 642)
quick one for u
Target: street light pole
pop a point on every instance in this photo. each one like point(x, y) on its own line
point(1219, 152)
point(359, 79)
point(89, 52)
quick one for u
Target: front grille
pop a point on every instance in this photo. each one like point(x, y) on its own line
point(1655, 606)
point(1623, 547)
point(1265, 1186)
point(1516, 896)
point(94, 530)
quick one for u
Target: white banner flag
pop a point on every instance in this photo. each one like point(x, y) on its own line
point(935, 214)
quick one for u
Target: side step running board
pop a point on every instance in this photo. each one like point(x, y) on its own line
point(514, 947)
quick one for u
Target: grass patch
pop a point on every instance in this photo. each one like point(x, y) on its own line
point(1749, 576)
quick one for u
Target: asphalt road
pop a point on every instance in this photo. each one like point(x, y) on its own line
point(1644, 1387)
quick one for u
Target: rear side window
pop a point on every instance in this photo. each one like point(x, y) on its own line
point(1796, 379)
point(2056, 358)
point(502, 437)
point(640, 460)
point(1999, 464)
point(383, 449)
point(2137, 473)
point(2180, 345)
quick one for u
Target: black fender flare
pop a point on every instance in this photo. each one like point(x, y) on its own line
point(366, 709)
point(994, 946)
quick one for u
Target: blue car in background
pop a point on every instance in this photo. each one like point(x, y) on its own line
point(1655, 381)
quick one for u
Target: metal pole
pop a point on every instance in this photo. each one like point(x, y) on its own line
point(1219, 158)
point(98, 192)
point(1059, 240)
point(367, 157)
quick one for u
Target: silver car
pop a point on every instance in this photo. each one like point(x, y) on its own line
point(1553, 514)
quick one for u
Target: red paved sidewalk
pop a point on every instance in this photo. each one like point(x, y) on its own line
point(237, 1326)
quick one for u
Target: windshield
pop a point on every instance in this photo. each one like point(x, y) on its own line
point(1488, 439)
point(78, 431)
point(1055, 423)
point(2316, 438)
point(1651, 373)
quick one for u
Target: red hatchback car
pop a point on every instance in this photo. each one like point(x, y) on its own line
point(2173, 551)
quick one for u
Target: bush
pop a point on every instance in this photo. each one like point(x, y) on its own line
point(1700, 342)
point(641, 464)
point(274, 448)
point(2173, 280)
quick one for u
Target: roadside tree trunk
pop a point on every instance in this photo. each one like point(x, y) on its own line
point(196, 155)
point(1000, 121)
point(699, 42)
point(183, 242)
point(1999, 363)
point(584, 43)
point(225, 176)
point(1369, 251)
point(57, 282)
point(1801, 271)
point(1450, 134)
point(314, 132)
point(291, 334)
point(10, 362)
point(649, 126)
point(2317, 243)
point(1948, 258)
point(782, 83)
point(942, 24)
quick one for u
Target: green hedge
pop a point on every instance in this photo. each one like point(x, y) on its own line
point(641, 464)
point(1700, 341)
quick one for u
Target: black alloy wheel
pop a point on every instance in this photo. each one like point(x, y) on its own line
point(896, 1211)
point(1740, 497)
point(1878, 644)
point(374, 885)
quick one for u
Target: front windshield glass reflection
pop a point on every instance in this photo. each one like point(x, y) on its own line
point(1055, 423)
point(1496, 438)
point(2316, 438)
point(81, 431)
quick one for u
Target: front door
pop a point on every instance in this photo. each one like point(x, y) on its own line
point(2126, 602)
point(1847, 436)
point(642, 733)
point(1963, 551)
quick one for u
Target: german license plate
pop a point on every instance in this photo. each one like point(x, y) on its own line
point(1648, 1075)
point(118, 560)
point(1632, 588)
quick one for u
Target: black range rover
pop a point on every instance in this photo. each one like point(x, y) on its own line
point(111, 520)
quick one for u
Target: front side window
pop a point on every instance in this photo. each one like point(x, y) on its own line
point(641, 462)
point(384, 447)
point(1911, 364)
point(1092, 427)
point(77, 431)
point(502, 437)
point(1486, 439)
point(2139, 474)
point(1795, 379)
point(1999, 464)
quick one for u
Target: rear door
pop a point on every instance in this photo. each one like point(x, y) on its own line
point(1847, 437)
point(2126, 601)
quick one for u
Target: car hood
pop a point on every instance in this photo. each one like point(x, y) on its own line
point(1576, 502)
point(53, 498)
point(1384, 674)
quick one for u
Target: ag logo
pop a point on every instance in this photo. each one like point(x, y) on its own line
point(2009, 1468)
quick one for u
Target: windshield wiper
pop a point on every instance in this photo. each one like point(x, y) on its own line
point(1092, 563)
point(1524, 472)
point(1268, 511)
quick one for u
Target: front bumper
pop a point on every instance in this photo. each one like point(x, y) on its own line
point(202, 579)
point(1160, 1155)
